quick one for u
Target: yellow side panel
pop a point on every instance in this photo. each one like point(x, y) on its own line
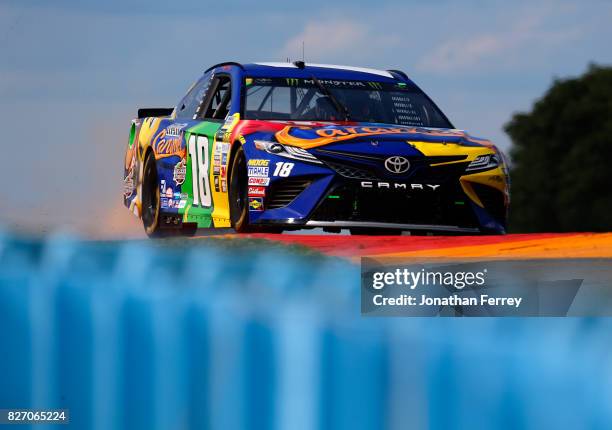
point(218, 173)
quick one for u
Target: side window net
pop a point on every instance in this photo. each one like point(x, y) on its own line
point(219, 103)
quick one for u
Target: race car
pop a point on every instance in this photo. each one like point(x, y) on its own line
point(286, 146)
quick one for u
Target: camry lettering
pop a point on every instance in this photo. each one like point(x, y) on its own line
point(399, 186)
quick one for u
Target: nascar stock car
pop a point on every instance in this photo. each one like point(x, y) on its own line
point(279, 146)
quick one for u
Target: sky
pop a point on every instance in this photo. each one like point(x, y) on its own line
point(73, 73)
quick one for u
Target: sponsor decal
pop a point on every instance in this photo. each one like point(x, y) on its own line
point(224, 158)
point(163, 202)
point(223, 171)
point(264, 182)
point(230, 121)
point(260, 172)
point(225, 132)
point(262, 81)
point(398, 186)
point(128, 184)
point(181, 204)
point(335, 83)
point(256, 204)
point(257, 191)
point(165, 145)
point(216, 170)
point(258, 162)
point(196, 217)
point(169, 192)
point(223, 185)
point(216, 183)
point(327, 82)
point(362, 131)
point(175, 130)
point(311, 138)
point(180, 170)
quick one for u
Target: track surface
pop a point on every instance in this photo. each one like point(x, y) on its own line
point(512, 246)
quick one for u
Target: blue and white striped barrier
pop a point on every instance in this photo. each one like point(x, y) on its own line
point(145, 335)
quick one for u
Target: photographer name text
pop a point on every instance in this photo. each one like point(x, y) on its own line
point(407, 279)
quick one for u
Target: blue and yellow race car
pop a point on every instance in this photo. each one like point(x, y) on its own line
point(278, 146)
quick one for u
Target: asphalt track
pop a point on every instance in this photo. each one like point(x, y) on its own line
point(507, 247)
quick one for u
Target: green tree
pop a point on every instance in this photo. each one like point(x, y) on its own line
point(562, 157)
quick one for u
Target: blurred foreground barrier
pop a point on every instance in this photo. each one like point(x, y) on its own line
point(232, 335)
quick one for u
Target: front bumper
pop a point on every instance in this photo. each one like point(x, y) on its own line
point(353, 192)
point(391, 226)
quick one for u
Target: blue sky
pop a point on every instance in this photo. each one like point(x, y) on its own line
point(74, 72)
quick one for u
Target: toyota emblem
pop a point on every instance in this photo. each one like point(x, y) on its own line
point(397, 164)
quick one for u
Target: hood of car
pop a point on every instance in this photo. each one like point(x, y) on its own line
point(314, 136)
point(309, 135)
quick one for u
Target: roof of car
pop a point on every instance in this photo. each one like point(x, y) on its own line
point(323, 71)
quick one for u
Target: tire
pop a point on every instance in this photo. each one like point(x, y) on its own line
point(150, 198)
point(238, 189)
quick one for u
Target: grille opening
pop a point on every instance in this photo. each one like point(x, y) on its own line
point(350, 171)
point(447, 206)
point(283, 192)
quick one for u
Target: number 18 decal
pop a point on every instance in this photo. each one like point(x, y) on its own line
point(198, 151)
point(283, 169)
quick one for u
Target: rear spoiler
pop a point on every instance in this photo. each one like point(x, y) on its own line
point(148, 112)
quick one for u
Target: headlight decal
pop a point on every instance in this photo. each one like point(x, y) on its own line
point(484, 162)
point(286, 151)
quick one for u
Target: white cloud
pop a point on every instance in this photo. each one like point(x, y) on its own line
point(525, 35)
point(330, 40)
point(323, 38)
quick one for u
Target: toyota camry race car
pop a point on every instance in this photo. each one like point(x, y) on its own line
point(278, 146)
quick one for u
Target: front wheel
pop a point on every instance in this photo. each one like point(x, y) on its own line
point(238, 189)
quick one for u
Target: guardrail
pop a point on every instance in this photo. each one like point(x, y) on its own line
point(144, 335)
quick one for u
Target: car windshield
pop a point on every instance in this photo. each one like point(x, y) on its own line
point(361, 101)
